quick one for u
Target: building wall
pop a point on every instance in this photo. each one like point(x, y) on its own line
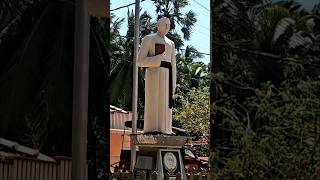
point(119, 140)
point(118, 118)
point(21, 168)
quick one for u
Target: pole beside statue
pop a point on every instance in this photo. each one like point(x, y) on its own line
point(135, 81)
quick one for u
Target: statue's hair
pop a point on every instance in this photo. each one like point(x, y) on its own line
point(163, 19)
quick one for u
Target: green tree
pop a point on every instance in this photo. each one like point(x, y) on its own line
point(274, 134)
point(263, 83)
point(122, 70)
point(36, 78)
point(192, 114)
point(172, 10)
point(122, 50)
point(267, 32)
point(190, 73)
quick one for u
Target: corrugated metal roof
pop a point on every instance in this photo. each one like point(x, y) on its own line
point(19, 149)
point(118, 117)
point(116, 109)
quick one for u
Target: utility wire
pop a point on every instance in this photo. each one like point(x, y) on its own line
point(203, 53)
point(202, 26)
point(201, 33)
point(179, 48)
point(200, 52)
point(201, 5)
point(124, 6)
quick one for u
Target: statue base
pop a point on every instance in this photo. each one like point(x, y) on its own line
point(160, 153)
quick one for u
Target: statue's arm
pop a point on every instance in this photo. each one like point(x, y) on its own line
point(143, 59)
point(174, 68)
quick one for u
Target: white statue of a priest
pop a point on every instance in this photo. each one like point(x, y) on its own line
point(157, 54)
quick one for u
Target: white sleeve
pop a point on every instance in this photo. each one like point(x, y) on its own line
point(143, 59)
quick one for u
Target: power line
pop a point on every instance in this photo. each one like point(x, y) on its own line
point(124, 6)
point(192, 28)
point(199, 52)
point(119, 35)
point(202, 26)
point(201, 33)
point(203, 53)
point(181, 49)
point(201, 5)
point(149, 1)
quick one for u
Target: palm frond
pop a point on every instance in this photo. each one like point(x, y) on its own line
point(178, 4)
point(282, 27)
point(116, 25)
point(41, 62)
point(316, 9)
point(298, 40)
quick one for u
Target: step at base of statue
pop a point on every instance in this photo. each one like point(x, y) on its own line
point(159, 140)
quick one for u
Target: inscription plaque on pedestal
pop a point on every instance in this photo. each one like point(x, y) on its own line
point(171, 163)
point(161, 150)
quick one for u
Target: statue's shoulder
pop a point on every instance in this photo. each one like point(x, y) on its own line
point(169, 41)
point(150, 36)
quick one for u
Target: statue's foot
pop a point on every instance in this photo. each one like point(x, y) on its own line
point(159, 133)
point(170, 134)
point(153, 133)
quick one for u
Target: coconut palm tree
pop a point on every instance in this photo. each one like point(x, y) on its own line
point(116, 40)
point(122, 47)
point(267, 31)
point(253, 45)
point(190, 74)
point(172, 10)
point(121, 69)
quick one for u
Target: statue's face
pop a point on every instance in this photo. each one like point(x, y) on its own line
point(164, 26)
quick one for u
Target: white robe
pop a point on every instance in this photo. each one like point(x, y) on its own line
point(157, 114)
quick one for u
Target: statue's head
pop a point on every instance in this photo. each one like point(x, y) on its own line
point(163, 26)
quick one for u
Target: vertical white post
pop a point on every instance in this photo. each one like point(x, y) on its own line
point(135, 81)
point(80, 90)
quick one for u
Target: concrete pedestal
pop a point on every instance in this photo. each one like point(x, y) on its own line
point(160, 153)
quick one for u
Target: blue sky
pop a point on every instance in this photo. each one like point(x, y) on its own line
point(200, 37)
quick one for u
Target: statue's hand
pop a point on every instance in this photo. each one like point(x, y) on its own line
point(161, 56)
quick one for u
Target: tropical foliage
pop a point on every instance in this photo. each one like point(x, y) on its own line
point(172, 9)
point(36, 79)
point(193, 112)
point(121, 63)
point(192, 75)
point(122, 47)
point(265, 93)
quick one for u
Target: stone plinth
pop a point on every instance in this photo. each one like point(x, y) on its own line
point(160, 140)
point(160, 153)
